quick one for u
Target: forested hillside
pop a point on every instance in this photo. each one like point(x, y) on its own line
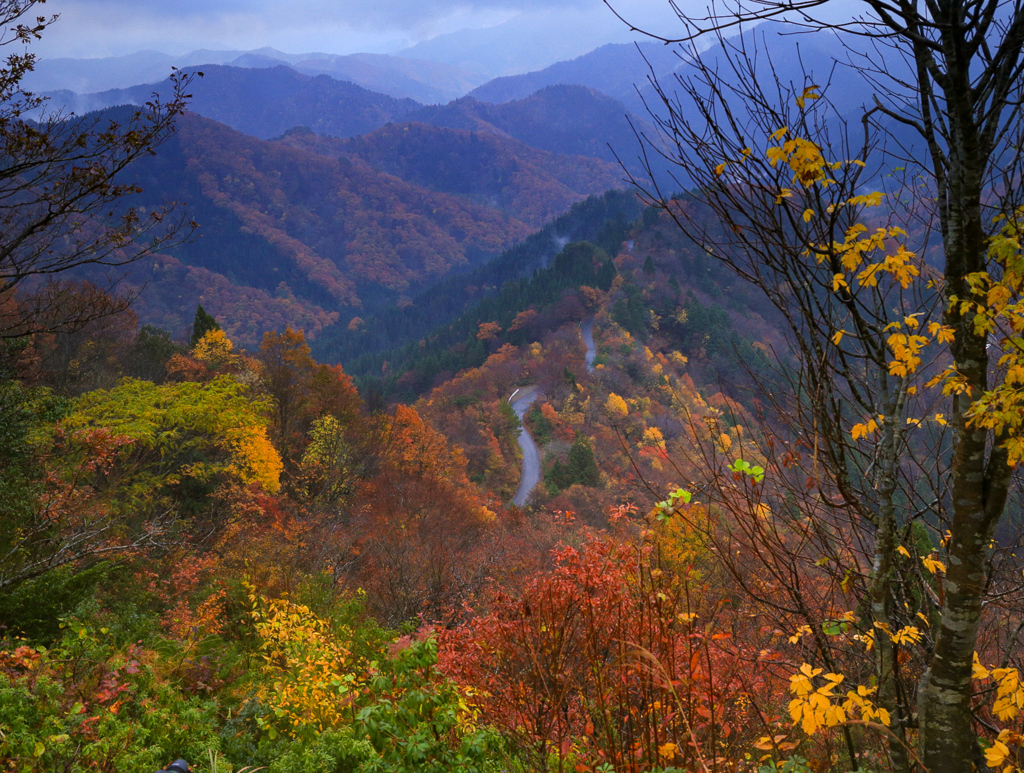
point(531, 185)
point(290, 237)
point(267, 457)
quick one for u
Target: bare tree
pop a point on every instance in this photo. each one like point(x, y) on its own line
point(948, 71)
point(63, 188)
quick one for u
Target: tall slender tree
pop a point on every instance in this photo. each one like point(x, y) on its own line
point(949, 72)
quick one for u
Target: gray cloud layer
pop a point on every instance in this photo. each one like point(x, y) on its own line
point(107, 27)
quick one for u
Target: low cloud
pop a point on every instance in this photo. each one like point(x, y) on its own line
point(110, 27)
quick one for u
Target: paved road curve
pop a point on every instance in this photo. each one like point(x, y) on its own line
point(587, 328)
point(521, 400)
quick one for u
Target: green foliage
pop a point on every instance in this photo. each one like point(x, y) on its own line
point(87, 705)
point(631, 312)
point(201, 325)
point(667, 507)
point(333, 751)
point(188, 436)
point(541, 428)
point(148, 356)
point(705, 334)
point(507, 424)
point(742, 467)
point(580, 468)
point(791, 765)
point(33, 609)
point(421, 723)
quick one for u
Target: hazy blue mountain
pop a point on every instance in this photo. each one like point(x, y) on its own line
point(527, 42)
point(399, 77)
point(266, 102)
point(573, 120)
point(396, 76)
point(87, 76)
point(612, 69)
point(794, 61)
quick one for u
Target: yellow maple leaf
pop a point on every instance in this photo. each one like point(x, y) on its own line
point(996, 754)
point(667, 750)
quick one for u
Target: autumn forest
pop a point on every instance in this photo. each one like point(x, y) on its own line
point(279, 356)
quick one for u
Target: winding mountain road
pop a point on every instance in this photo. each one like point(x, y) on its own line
point(521, 400)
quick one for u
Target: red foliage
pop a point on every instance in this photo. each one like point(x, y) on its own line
point(611, 660)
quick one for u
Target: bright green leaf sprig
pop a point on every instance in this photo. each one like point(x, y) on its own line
point(743, 467)
point(667, 507)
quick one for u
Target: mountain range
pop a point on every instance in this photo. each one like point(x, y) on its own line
point(296, 230)
point(489, 168)
point(320, 199)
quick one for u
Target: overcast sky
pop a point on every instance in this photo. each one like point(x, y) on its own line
point(113, 27)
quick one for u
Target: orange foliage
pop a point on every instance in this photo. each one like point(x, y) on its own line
point(613, 660)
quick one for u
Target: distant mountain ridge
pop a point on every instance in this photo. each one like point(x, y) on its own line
point(396, 76)
point(527, 41)
point(530, 185)
point(615, 69)
point(574, 120)
point(267, 102)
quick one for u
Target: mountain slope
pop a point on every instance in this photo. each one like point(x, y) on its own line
point(573, 120)
point(285, 228)
point(87, 76)
point(529, 184)
point(396, 76)
point(612, 69)
point(267, 102)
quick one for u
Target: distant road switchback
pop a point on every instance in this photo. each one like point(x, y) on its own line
point(521, 400)
point(587, 328)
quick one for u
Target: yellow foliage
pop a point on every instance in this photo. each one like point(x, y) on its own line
point(680, 545)
point(1009, 693)
point(802, 631)
point(907, 635)
point(818, 708)
point(214, 349)
point(616, 406)
point(863, 430)
point(255, 460)
point(667, 750)
point(803, 157)
point(310, 679)
point(654, 438)
point(996, 754)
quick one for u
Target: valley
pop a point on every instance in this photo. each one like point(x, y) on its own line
point(458, 409)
